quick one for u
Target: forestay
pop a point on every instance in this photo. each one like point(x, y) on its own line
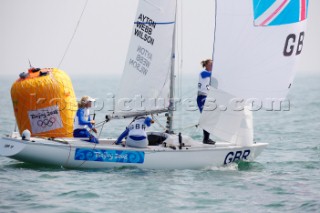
point(257, 46)
point(145, 80)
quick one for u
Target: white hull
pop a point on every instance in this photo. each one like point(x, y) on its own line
point(75, 153)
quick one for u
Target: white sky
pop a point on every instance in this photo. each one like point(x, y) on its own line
point(40, 30)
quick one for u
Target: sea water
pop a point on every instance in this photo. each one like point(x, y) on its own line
point(284, 178)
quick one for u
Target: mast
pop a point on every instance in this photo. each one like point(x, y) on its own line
point(172, 80)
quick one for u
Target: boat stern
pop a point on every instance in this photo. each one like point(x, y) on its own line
point(10, 146)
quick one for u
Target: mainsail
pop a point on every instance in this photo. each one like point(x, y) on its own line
point(257, 46)
point(146, 77)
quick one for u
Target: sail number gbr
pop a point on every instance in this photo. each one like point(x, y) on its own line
point(236, 156)
point(293, 44)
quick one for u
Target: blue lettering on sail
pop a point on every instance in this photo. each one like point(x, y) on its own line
point(115, 156)
point(279, 12)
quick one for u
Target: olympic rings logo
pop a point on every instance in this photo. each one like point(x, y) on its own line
point(46, 122)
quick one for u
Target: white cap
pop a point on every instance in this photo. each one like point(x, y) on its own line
point(91, 99)
point(86, 99)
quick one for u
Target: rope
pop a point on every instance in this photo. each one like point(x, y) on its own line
point(101, 129)
point(68, 159)
point(74, 33)
point(188, 127)
point(84, 161)
point(158, 122)
point(181, 52)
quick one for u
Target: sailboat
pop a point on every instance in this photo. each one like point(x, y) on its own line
point(257, 44)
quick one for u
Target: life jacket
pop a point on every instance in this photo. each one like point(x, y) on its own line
point(77, 124)
point(137, 128)
point(204, 82)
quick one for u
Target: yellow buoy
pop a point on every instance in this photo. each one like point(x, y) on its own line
point(44, 102)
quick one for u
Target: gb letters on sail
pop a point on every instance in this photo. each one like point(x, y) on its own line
point(257, 46)
point(145, 80)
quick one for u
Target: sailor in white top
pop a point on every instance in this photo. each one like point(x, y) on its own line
point(203, 89)
point(136, 132)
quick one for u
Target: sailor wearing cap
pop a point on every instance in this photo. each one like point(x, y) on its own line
point(136, 132)
point(82, 122)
